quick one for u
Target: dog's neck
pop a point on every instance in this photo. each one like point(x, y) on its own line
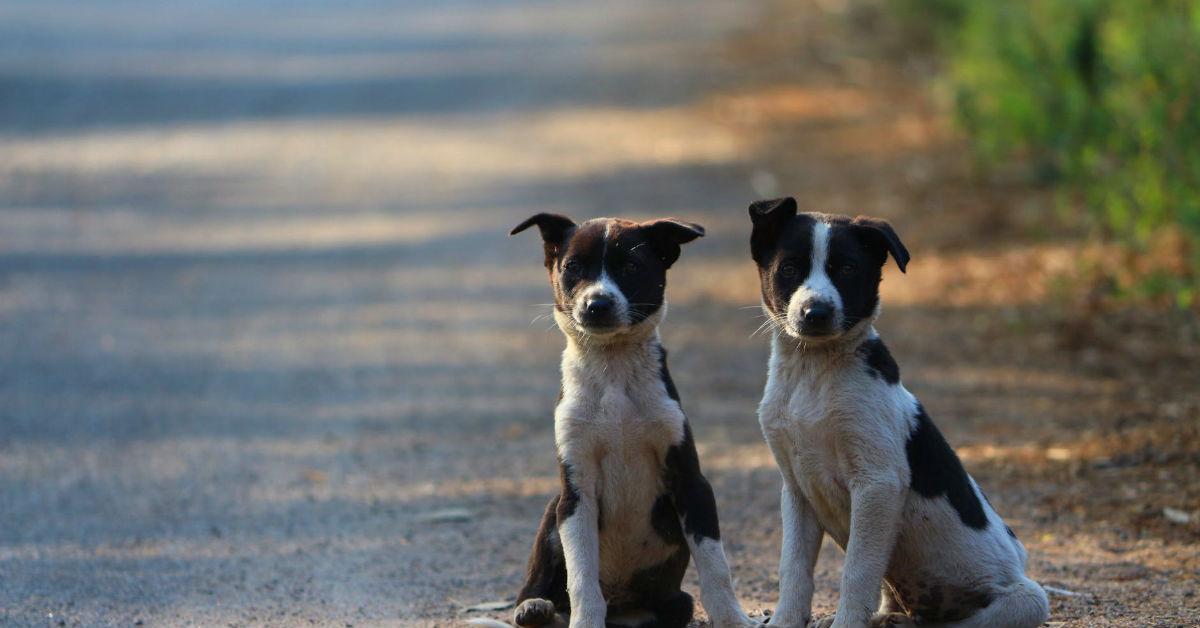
point(632, 355)
point(796, 360)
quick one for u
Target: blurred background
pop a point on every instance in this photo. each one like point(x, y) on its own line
point(268, 358)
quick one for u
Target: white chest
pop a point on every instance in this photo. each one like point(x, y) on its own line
point(615, 404)
point(831, 425)
point(618, 434)
point(804, 436)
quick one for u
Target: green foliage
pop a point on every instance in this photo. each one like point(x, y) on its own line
point(1100, 97)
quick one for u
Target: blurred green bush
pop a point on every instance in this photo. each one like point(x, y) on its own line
point(1101, 98)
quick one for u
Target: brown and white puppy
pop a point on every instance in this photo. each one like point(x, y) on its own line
point(615, 542)
point(860, 458)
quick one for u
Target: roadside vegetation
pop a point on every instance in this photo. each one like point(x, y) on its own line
point(1100, 101)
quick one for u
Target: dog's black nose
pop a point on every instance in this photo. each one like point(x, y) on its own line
point(599, 306)
point(818, 314)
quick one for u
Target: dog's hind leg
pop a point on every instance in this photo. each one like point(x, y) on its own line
point(1020, 605)
point(544, 596)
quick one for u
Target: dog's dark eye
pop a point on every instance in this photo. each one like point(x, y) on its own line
point(788, 269)
point(572, 266)
point(848, 268)
point(632, 267)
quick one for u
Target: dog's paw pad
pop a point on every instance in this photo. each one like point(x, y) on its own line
point(533, 613)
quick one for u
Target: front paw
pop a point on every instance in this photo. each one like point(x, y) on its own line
point(534, 613)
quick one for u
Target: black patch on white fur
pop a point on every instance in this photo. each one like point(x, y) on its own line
point(926, 599)
point(879, 361)
point(690, 491)
point(777, 245)
point(569, 499)
point(637, 256)
point(855, 269)
point(666, 374)
point(578, 263)
point(665, 520)
point(639, 272)
point(655, 583)
point(936, 472)
point(657, 588)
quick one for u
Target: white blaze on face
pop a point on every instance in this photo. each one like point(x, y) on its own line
point(604, 286)
point(817, 287)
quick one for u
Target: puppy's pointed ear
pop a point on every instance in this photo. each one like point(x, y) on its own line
point(880, 234)
point(554, 228)
point(769, 218)
point(666, 234)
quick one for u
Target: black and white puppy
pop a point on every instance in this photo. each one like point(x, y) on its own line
point(860, 458)
point(615, 543)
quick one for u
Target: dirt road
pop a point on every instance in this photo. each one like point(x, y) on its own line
point(267, 358)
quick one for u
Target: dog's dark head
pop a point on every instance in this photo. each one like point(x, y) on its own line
point(820, 274)
point(609, 274)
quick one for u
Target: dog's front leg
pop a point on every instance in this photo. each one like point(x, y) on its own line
point(697, 510)
point(802, 535)
point(875, 509)
point(699, 518)
point(578, 528)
